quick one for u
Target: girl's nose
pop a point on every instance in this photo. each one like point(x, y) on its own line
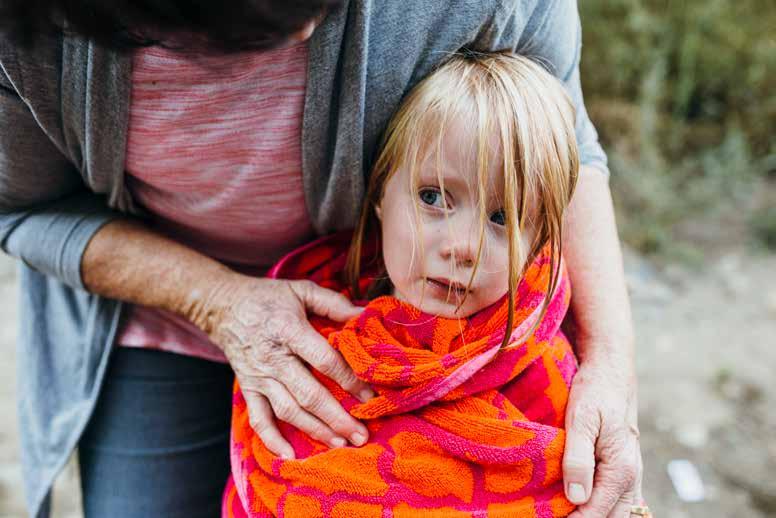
point(462, 251)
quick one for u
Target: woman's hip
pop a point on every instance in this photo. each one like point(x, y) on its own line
point(158, 441)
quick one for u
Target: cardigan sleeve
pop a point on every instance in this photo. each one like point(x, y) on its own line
point(47, 214)
point(551, 34)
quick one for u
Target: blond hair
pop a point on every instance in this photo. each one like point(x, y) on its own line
point(500, 95)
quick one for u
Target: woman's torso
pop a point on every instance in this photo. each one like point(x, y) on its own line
point(214, 157)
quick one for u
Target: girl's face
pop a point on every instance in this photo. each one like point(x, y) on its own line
point(436, 280)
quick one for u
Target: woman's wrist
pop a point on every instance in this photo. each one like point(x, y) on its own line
point(213, 295)
point(611, 348)
point(202, 303)
point(127, 261)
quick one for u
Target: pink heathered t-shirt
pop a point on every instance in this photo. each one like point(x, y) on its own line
point(214, 155)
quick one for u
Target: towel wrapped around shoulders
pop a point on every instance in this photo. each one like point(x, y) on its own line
point(460, 426)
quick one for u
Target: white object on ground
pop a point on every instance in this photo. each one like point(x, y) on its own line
point(687, 480)
point(692, 435)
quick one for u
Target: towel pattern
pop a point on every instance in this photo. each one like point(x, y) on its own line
point(460, 426)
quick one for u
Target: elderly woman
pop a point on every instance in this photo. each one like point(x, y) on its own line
point(157, 157)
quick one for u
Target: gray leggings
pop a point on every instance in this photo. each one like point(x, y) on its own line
point(158, 442)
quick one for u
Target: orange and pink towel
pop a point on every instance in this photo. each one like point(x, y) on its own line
point(459, 428)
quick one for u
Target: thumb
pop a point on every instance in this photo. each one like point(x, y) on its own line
point(579, 457)
point(324, 302)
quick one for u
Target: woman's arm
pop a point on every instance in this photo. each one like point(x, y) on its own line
point(46, 213)
point(600, 304)
point(51, 221)
point(602, 458)
point(260, 324)
point(601, 418)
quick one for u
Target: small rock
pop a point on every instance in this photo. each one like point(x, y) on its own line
point(770, 303)
point(686, 480)
point(730, 270)
point(663, 424)
point(647, 288)
point(643, 279)
point(664, 343)
point(676, 275)
point(732, 389)
point(737, 390)
point(694, 435)
point(712, 492)
point(772, 449)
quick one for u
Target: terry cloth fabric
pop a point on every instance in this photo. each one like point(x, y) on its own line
point(461, 427)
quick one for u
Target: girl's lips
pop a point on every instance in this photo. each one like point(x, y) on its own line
point(443, 286)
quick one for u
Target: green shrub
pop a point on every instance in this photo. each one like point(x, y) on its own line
point(684, 96)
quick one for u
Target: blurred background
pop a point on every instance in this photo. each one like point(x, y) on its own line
point(683, 94)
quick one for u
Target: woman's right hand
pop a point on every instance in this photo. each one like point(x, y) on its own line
point(262, 327)
point(260, 324)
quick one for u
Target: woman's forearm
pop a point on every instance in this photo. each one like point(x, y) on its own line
point(599, 302)
point(260, 324)
point(601, 459)
point(127, 261)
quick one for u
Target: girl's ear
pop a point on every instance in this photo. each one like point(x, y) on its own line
point(379, 213)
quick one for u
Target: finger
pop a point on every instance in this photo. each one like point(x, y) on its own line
point(623, 506)
point(615, 475)
point(315, 350)
point(263, 423)
point(582, 430)
point(324, 302)
point(639, 484)
point(632, 496)
point(313, 397)
point(637, 488)
point(287, 409)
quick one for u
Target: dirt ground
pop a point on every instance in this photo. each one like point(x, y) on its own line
point(706, 357)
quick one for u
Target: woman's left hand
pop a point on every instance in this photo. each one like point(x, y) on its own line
point(602, 464)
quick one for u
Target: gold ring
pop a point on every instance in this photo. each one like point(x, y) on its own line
point(640, 510)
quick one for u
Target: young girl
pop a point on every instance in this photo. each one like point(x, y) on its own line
point(457, 260)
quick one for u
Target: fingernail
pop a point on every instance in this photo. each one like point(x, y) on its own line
point(337, 442)
point(358, 439)
point(287, 455)
point(576, 493)
point(365, 395)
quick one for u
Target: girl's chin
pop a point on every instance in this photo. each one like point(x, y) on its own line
point(435, 306)
point(449, 312)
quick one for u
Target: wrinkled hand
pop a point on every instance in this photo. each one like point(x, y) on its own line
point(602, 461)
point(261, 325)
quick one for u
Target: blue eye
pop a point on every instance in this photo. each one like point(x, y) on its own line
point(498, 217)
point(431, 197)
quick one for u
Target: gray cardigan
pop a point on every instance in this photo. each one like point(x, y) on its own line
point(63, 121)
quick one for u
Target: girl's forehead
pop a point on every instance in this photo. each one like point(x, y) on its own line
point(454, 154)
